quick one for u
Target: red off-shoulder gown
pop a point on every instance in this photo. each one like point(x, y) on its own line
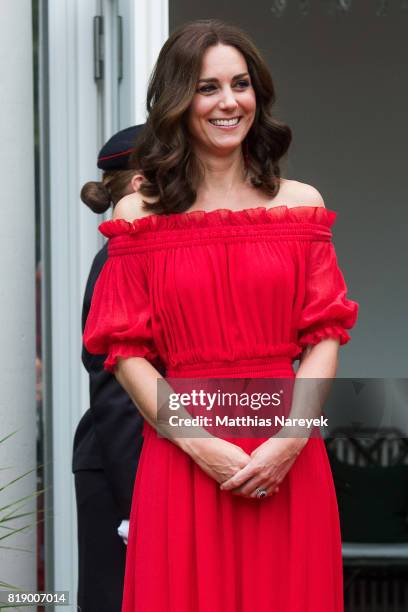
point(225, 294)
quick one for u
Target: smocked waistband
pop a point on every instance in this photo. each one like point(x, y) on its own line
point(262, 367)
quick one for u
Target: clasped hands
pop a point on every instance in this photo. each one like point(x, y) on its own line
point(244, 474)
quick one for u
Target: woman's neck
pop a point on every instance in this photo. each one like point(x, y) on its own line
point(223, 177)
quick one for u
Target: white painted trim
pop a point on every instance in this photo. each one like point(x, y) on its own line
point(110, 81)
point(74, 141)
point(150, 19)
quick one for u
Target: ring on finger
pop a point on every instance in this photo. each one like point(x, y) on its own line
point(261, 492)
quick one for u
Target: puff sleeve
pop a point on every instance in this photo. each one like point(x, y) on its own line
point(326, 311)
point(119, 320)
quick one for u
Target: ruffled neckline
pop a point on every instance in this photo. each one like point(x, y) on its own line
point(220, 217)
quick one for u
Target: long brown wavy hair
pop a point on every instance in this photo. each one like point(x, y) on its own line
point(164, 154)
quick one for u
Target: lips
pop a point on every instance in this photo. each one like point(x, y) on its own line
point(225, 123)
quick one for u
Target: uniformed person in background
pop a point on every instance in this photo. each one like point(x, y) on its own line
point(108, 439)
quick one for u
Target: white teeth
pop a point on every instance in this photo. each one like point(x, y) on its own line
point(225, 122)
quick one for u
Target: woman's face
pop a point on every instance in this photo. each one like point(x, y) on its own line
point(223, 108)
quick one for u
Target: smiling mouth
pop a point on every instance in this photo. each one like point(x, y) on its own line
point(225, 122)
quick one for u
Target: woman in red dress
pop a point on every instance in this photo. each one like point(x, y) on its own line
point(222, 270)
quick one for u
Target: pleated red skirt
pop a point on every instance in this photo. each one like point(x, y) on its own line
point(194, 548)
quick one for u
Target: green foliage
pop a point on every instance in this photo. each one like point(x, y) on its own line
point(12, 513)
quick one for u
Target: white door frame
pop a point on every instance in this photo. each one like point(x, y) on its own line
point(149, 28)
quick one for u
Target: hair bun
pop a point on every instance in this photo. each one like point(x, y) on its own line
point(96, 196)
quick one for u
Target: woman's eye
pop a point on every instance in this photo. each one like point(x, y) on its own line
point(206, 88)
point(242, 84)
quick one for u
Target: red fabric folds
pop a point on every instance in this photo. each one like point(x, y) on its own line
point(119, 321)
point(184, 286)
point(327, 312)
point(225, 294)
point(193, 220)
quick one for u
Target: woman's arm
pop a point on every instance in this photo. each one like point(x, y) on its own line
point(325, 316)
point(317, 369)
point(217, 458)
point(272, 460)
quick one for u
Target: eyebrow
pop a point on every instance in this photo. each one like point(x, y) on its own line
point(214, 80)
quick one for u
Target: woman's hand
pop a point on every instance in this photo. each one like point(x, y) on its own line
point(272, 460)
point(269, 464)
point(216, 457)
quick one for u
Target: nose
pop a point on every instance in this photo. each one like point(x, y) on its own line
point(228, 101)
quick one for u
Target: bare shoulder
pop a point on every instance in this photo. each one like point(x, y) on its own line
point(296, 193)
point(130, 207)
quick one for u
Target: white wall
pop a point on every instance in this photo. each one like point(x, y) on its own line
point(17, 290)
